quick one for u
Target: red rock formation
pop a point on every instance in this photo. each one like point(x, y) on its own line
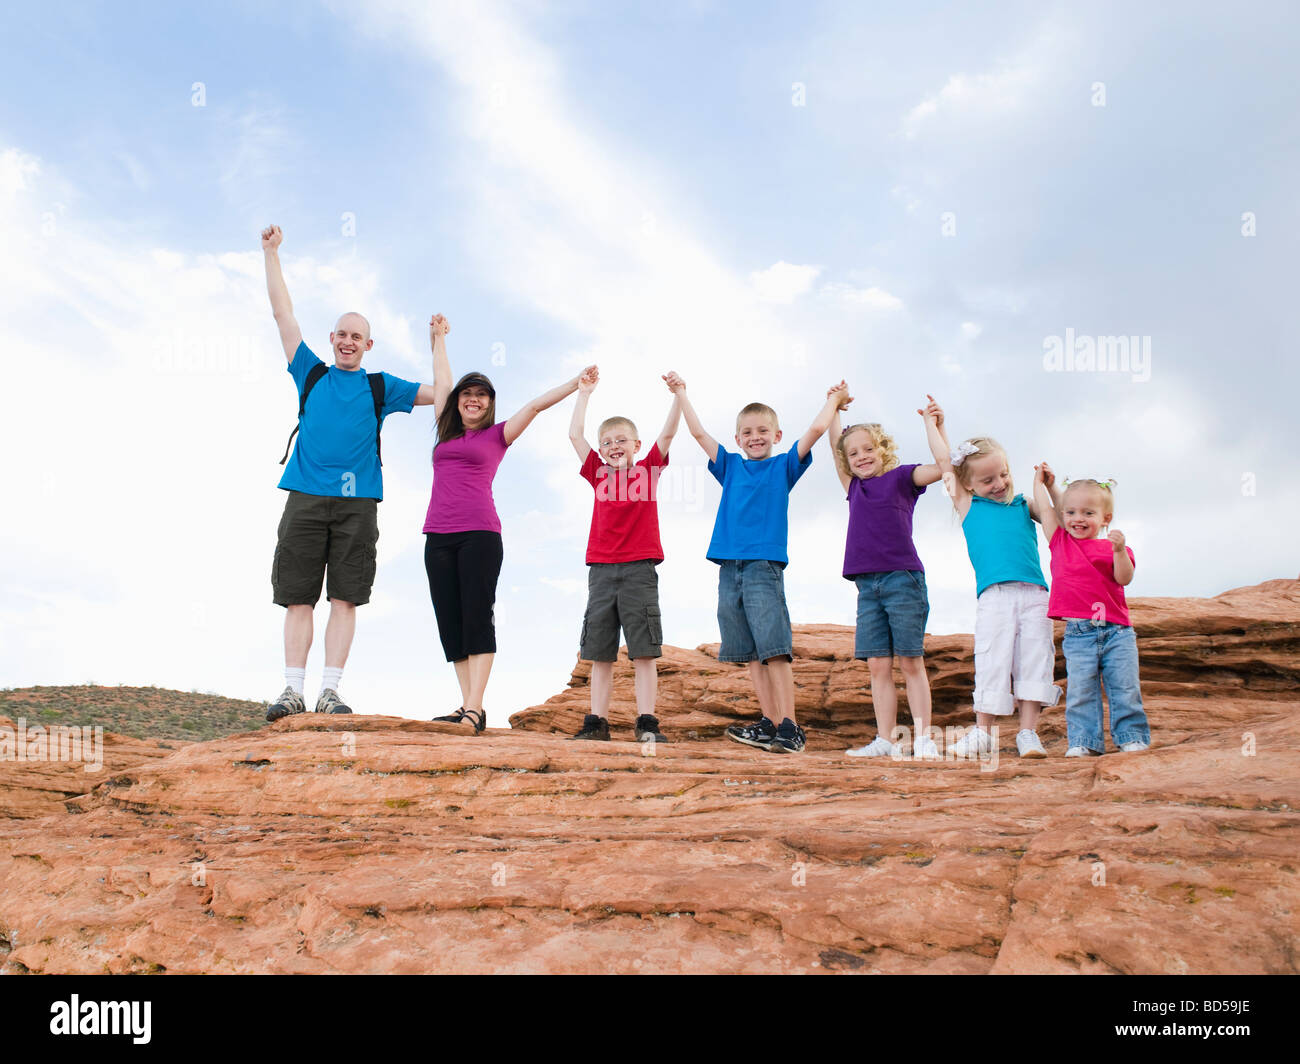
point(375, 844)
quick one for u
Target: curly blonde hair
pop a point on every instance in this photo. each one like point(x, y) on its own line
point(880, 440)
point(984, 447)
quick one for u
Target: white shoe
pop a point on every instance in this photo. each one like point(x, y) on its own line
point(1134, 747)
point(1028, 744)
point(923, 749)
point(878, 747)
point(1080, 751)
point(974, 743)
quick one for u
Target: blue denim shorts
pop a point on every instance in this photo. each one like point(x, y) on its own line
point(752, 616)
point(892, 611)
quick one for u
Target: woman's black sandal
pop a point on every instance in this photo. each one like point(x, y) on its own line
point(476, 717)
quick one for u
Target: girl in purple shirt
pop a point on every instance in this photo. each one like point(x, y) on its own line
point(880, 557)
point(462, 532)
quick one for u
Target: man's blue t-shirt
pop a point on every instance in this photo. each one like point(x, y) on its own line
point(335, 453)
point(753, 517)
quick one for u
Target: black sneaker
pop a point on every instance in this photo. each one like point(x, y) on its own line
point(329, 702)
point(286, 705)
point(789, 738)
point(593, 727)
point(647, 727)
point(760, 734)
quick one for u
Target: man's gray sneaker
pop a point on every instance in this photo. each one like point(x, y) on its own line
point(289, 703)
point(329, 702)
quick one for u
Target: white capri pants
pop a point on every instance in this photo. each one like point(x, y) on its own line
point(1015, 656)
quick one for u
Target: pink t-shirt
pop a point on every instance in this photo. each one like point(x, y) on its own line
point(461, 500)
point(1083, 580)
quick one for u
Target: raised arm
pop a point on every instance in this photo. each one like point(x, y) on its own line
point(937, 437)
point(437, 392)
point(834, 397)
point(1053, 490)
point(707, 443)
point(1046, 506)
point(925, 475)
point(281, 304)
point(833, 435)
point(669, 430)
point(577, 434)
point(522, 418)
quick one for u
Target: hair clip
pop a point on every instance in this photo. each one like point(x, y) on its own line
point(961, 452)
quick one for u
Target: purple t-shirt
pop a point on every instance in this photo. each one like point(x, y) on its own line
point(880, 524)
point(461, 500)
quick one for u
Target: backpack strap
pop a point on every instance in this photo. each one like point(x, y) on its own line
point(313, 375)
point(377, 393)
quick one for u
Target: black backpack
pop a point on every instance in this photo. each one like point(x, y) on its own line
point(314, 374)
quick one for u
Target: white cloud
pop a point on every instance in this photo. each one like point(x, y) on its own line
point(784, 282)
point(872, 297)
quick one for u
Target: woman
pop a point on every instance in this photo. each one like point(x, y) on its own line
point(462, 549)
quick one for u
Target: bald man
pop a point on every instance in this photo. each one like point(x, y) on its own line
point(330, 524)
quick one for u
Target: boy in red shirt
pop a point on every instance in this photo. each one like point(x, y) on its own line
point(623, 549)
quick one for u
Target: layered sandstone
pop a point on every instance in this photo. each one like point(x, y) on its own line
point(377, 844)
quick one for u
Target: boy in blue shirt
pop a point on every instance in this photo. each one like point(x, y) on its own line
point(749, 545)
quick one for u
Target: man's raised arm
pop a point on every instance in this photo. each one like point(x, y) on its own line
point(281, 304)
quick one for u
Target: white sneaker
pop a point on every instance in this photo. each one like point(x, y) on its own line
point(1134, 747)
point(1028, 744)
point(878, 747)
point(974, 743)
point(1080, 751)
point(924, 749)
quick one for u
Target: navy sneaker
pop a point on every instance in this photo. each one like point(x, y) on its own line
point(286, 705)
point(593, 727)
point(647, 727)
point(789, 738)
point(760, 734)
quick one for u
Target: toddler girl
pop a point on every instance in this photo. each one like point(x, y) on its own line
point(1088, 579)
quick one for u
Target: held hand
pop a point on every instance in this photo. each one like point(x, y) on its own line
point(839, 395)
point(1049, 478)
point(933, 410)
point(438, 326)
point(271, 238)
point(1116, 538)
point(674, 382)
point(1040, 473)
point(588, 380)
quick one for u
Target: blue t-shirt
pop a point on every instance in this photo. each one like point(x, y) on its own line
point(1001, 542)
point(753, 522)
point(334, 453)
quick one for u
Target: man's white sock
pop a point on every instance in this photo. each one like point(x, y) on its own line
point(295, 678)
point(331, 679)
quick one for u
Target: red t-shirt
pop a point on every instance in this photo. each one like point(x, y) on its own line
point(625, 515)
point(1083, 580)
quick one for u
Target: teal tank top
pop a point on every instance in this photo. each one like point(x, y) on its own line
point(1002, 543)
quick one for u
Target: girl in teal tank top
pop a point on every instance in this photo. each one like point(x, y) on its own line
point(1015, 653)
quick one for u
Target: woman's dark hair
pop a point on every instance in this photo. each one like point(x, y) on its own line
point(450, 424)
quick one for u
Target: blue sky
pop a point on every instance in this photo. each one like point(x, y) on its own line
point(752, 194)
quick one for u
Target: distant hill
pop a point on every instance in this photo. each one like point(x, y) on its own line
point(141, 712)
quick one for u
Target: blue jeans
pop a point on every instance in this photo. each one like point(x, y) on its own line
point(892, 611)
point(752, 616)
point(1098, 655)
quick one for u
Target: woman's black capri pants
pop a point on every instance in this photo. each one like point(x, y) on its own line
point(463, 568)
